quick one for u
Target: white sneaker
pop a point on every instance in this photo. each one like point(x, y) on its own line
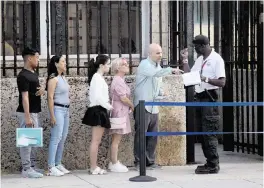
point(118, 167)
point(55, 172)
point(62, 169)
point(97, 171)
point(31, 173)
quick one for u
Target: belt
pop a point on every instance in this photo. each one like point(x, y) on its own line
point(208, 94)
point(62, 105)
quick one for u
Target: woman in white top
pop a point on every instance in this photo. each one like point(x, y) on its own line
point(97, 115)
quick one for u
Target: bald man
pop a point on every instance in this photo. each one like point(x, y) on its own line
point(148, 88)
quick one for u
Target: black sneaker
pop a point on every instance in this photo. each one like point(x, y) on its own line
point(207, 170)
point(153, 167)
point(136, 167)
point(202, 166)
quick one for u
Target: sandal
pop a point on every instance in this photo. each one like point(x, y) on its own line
point(98, 171)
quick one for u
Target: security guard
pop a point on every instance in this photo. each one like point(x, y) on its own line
point(212, 71)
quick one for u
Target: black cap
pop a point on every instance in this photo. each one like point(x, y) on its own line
point(201, 39)
point(29, 51)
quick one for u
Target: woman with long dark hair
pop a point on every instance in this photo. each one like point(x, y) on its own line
point(58, 103)
point(97, 115)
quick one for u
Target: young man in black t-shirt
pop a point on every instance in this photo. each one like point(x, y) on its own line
point(29, 107)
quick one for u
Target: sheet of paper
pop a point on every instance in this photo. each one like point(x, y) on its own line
point(191, 78)
point(160, 97)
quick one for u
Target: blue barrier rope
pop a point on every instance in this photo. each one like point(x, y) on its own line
point(204, 103)
point(195, 133)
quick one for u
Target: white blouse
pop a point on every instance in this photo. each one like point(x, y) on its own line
point(98, 92)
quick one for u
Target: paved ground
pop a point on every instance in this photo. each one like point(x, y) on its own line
point(237, 170)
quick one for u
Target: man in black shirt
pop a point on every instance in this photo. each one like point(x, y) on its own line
point(29, 107)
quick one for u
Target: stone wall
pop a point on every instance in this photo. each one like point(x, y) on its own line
point(171, 150)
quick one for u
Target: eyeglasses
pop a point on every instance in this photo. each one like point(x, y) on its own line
point(124, 62)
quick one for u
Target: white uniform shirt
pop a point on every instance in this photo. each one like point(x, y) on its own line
point(212, 67)
point(98, 92)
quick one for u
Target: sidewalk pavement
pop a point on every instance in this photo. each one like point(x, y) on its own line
point(237, 170)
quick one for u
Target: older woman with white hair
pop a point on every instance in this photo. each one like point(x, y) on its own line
point(122, 105)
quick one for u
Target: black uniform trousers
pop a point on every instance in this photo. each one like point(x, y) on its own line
point(207, 120)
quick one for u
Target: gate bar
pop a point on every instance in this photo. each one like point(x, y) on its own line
point(226, 44)
point(15, 35)
point(252, 67)
point(190, 111)
point(260, 73)
point(3, 36)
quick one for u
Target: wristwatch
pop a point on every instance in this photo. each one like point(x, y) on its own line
point(206, 80)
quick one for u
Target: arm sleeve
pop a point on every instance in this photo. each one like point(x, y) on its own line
point(161, 89)
point(196, 67)
point(22, 84)
point(96, 87)
point(120, 88)
point(145, 70)
point(220, 69)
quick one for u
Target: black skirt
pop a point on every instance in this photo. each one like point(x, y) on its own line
point(97, 116)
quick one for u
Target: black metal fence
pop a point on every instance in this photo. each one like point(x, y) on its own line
point(242, 39)
point(72, 28)
point(85, 28)
point(18, 33)
point(235, 30)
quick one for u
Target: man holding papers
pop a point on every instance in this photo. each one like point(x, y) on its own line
point(211, 68)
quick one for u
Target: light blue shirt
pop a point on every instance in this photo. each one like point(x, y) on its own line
point(148, 83)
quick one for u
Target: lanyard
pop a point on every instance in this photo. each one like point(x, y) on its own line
point(203, 66)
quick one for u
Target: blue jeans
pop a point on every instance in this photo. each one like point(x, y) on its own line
point(58, 135)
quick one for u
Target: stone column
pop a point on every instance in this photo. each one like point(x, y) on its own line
point(171, 150)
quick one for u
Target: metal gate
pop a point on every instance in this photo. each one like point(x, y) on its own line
point(242, 44)
point(236, 32)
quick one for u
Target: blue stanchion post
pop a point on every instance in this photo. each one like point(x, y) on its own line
point(142, 147)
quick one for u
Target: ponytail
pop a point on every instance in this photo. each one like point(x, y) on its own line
point(91, 70)
point(94, 65)
point(52, 69)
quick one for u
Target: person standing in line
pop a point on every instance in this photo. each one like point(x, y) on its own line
point(58, 103)
point(212, 70)
point(120, 93)
point(29, 106)
point(97, 115)
point(148, 88)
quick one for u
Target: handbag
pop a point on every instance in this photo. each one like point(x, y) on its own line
point(117, 123)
